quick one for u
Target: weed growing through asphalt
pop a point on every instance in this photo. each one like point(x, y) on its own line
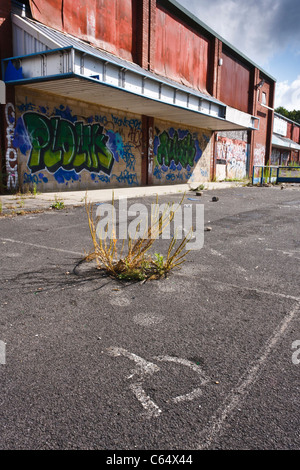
point(58, 204)
point(135, 262)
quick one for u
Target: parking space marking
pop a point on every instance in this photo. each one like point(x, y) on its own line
point(203, 379)
point(239, 392)
point(254, 289)
point(145, 368)
point(221, 255)
point(40, 246)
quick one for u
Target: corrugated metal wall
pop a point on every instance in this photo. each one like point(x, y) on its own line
point(181, 54)
point(24, 43)
point(296, 134)
point(108, 24)
point(235, 83)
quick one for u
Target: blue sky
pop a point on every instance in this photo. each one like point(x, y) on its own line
point(266, 31)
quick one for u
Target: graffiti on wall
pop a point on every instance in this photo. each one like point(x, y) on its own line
point(279, 157)
point(233, 154)
point(11, 152)
point(64, 145)
point(58, 143)
point(259, 155)
point(176, 152)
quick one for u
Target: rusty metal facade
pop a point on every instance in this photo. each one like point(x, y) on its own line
point(107, 24)
point(171, 66)
point(235, 83)
point(182, 54)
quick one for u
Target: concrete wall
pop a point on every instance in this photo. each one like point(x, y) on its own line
point(66, 144)
point(180, 154)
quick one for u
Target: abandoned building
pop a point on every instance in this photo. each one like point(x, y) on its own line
point(122, 93)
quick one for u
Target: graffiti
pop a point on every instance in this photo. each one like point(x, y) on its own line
point(259, 155)
point(177, 147)
point(232, 153)
point(126, 177)
point(97, 118)
point(60, 146)
point(128, 156)
point(124, 122)
point(58, 143)
point(34, 179)
point(135, 137)
point(100, 178)
point(150, 153)
point(63, 176)
point(11, 153)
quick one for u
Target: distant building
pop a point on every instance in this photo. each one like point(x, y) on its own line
point(285, 141)
point(125, 93)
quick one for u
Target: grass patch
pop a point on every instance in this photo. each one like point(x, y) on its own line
point(134, 262)
point(58, 204)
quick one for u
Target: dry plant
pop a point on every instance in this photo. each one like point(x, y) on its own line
point(135, 261)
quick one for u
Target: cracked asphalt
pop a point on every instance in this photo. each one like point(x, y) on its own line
point(201, 360)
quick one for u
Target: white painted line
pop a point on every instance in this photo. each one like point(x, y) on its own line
point(253, 289)
point(197, 392)
point(41, 246)
point(238, 267)
point(238, 393)
point(148, 368)
point(151, 409)
point(291, 254)
point(143, 367)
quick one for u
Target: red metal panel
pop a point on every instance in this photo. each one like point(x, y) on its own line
point(49, 13)
point(235, 83)
point(296, 134)
point(289, 130)
point(181, 53)
point(107, 24)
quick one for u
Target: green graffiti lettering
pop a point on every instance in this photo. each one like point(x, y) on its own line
point(100, 152)
point(40, 136)
point(179, 150)
point(58, 143)
point(66, 141)
point(53, 154)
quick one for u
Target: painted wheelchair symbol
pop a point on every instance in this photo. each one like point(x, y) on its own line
point(145, 369)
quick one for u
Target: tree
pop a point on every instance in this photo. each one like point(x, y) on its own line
point(293, 115)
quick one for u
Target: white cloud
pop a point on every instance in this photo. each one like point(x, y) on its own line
point(288, 94)
point(259, 29)
point(262, 30)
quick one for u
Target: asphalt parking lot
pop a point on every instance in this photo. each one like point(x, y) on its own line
point(205, 359)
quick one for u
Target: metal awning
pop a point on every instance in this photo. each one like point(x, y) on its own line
point(284, 143)
point(71, 68)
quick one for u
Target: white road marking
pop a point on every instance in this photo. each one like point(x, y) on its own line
point(291, 254)
point(143, 367)
point(238, 267)
point(151, 409)
point(147, 319)
point(149, 368)
point(41, 246)
point(238, 393)
point(254, 289)
point(197, 391)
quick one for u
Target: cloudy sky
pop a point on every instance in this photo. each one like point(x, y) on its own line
point(266, 31)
